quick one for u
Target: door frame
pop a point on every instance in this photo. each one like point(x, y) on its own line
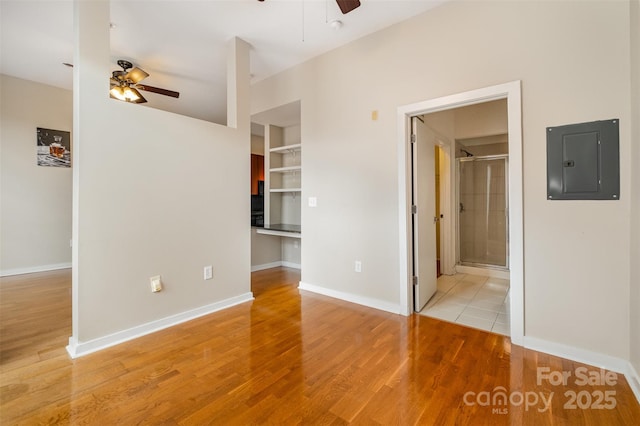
point(510, 91)
point(447, 205)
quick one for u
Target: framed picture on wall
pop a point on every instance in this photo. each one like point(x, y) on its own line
point(53, 148)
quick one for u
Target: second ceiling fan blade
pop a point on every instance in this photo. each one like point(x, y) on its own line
point(347, 6)
point(136, 75)
point(158, 90)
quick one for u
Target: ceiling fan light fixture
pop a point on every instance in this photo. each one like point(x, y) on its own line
point(118, 93)
point(127, 94)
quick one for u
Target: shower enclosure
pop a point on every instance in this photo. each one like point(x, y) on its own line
point(483, 238)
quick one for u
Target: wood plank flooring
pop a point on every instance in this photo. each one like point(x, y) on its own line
point(287, 358)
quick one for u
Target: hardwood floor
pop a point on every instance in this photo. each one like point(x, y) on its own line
point(289, 357)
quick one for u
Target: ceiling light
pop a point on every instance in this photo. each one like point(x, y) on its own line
point(335, 24)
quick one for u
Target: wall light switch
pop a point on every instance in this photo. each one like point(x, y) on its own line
point(358, 266)
point(156, 284)
point(313, 201)
point(208, 272)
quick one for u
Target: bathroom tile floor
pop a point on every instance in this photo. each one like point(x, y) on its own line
point(471, 300)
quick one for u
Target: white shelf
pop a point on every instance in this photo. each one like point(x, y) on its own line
point(279, 233)
point(286, 149)
point(286, 169)
point(285, 190)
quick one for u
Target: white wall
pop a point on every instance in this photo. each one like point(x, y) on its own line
point(154, 194)
point(443, 123)
point(257, 144)
point(35, 227)
point(266, 250)
point(576, 253)
point(634, 300)
point(485, 119)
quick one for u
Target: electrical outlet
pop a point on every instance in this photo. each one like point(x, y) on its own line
point(208, 272)
point(313, 201)
point(156, 284)
point(296, 244)
point(358, 266)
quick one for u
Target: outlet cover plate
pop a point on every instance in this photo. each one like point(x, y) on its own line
point(208, 272)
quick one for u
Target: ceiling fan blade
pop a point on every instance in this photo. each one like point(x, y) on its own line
point(347, 6)
point(158, 90)
point(136, 75)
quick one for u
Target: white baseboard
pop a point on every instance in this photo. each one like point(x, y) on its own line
point(77, 349)
point(584, 356)
point(633, 378)
point(277, 264)
point(291, 265)
point(353, 298)
point(32, 269)
point(255, 268)
point(484, 272)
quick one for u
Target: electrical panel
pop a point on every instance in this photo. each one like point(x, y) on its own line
point(583, 161)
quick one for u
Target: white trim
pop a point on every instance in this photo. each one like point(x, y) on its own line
point(291, 265)
point(264, 266)
point(32, 269)
point(584, 356)
point(512, 92)
point(353, 298)
point(448, 208)
point(77, 349)
point(276, 264)
point(633, 378)
point(483, 272)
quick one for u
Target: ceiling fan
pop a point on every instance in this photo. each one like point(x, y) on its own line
point(125, 84)
point(346, 6)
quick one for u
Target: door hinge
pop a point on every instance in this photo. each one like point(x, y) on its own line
point(414, 209)
point(415, 280)
point(413, 138)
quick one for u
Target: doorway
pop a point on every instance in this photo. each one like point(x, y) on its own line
point(512, 93)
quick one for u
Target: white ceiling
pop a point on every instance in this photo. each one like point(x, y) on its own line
point(181, 43)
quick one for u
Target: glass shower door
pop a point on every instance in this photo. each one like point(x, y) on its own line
point(482, 211)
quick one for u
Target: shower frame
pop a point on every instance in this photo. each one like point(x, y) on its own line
point(459, 161)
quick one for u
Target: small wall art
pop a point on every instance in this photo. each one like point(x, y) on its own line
point(54, 148)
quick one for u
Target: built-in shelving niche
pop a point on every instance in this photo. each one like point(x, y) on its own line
point(283, 170)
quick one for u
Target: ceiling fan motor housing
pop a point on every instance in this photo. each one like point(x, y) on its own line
point(125, 64)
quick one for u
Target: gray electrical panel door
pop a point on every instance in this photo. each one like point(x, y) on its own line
point(583, 161)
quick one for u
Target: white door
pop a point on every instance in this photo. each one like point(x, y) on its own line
point(424, 223)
